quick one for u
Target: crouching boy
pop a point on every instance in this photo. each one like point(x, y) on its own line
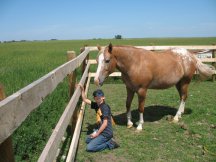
point(103, 137)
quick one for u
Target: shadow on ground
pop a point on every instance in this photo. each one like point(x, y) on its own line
point(151, 114)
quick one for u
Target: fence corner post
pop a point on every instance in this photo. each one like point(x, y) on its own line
point(6, 148)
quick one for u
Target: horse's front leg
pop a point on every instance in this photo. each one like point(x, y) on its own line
point(130, 95)
point(141, 100)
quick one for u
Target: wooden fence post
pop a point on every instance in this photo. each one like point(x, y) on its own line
point(84, 63)
point(6, 148)
point(214, 63)
point(72, 81)
point(71, 77)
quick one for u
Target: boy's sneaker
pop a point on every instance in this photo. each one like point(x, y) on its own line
point(114, 143)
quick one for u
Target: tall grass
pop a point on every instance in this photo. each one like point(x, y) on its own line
point(24, 62)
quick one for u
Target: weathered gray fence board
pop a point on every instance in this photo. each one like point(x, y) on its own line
point(15, 108)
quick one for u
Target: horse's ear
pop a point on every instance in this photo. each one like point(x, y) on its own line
point(83, 48)
point(98, 47)
point(110, 48)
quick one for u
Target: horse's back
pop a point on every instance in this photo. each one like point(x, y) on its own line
point(158, 70)
point(161, 69)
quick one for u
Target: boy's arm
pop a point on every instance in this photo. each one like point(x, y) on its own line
point(84, 98)
point(103, 126)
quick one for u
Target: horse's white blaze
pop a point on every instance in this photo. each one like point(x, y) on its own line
point(100, 66)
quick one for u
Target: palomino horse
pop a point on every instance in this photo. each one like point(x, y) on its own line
point(142, 69)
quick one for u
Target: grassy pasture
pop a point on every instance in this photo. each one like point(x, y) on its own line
point(160, 139)
point(24, 62)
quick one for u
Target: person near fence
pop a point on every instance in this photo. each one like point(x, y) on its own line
point(102, 138)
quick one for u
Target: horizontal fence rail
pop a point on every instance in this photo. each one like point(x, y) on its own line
point(212, 47)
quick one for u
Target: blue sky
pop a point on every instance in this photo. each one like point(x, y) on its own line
point(79, 19)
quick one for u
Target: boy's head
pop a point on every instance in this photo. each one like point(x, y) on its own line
point(98, 93)
point(98, 96)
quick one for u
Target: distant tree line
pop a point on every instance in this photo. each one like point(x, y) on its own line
point(12, 41)
point(118, 36)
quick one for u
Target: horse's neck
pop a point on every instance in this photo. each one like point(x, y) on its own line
point(124, 59)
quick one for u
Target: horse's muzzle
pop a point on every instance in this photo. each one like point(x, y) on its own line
point(98, 82)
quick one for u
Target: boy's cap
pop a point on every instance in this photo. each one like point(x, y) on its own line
point(98, 93)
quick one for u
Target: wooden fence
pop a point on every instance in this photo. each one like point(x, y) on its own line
point(15, 108)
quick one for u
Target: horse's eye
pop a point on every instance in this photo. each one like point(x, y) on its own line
point(107, 61)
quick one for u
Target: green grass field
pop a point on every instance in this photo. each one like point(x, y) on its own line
point(24, 62)
point(160, 139)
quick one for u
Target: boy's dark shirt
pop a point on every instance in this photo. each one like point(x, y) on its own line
point(106, 112)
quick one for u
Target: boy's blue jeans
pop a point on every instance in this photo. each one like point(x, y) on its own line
point(99, 143)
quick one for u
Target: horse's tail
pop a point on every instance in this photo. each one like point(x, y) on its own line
point(204, 70)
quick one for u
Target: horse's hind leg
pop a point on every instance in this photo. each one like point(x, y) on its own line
point(141, 99)
point(130, 95)
point(182, 88)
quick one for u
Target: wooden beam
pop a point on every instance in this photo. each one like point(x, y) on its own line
point(211, 47)
point(170, 47)
point(6, 151)
point(93, 61)
point(72, 76)
point(6, 148)
point(114, 74)
point(214, 64)
point(75, 139)
point(208, 59)
point(15, 108)
point(71, 82)
point(49, 152)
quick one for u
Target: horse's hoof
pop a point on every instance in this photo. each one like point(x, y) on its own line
point(175, 120)
point(129, 125)
point(169, 118)
point(139, 128)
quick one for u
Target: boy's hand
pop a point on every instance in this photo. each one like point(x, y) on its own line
point(81, 86)
point(85, 99)
point(93, 135)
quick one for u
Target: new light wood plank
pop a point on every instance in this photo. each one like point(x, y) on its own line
point(208, 59)
point(114, 74)
point(49, 152)
point(75, 139)
point(212, 47)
